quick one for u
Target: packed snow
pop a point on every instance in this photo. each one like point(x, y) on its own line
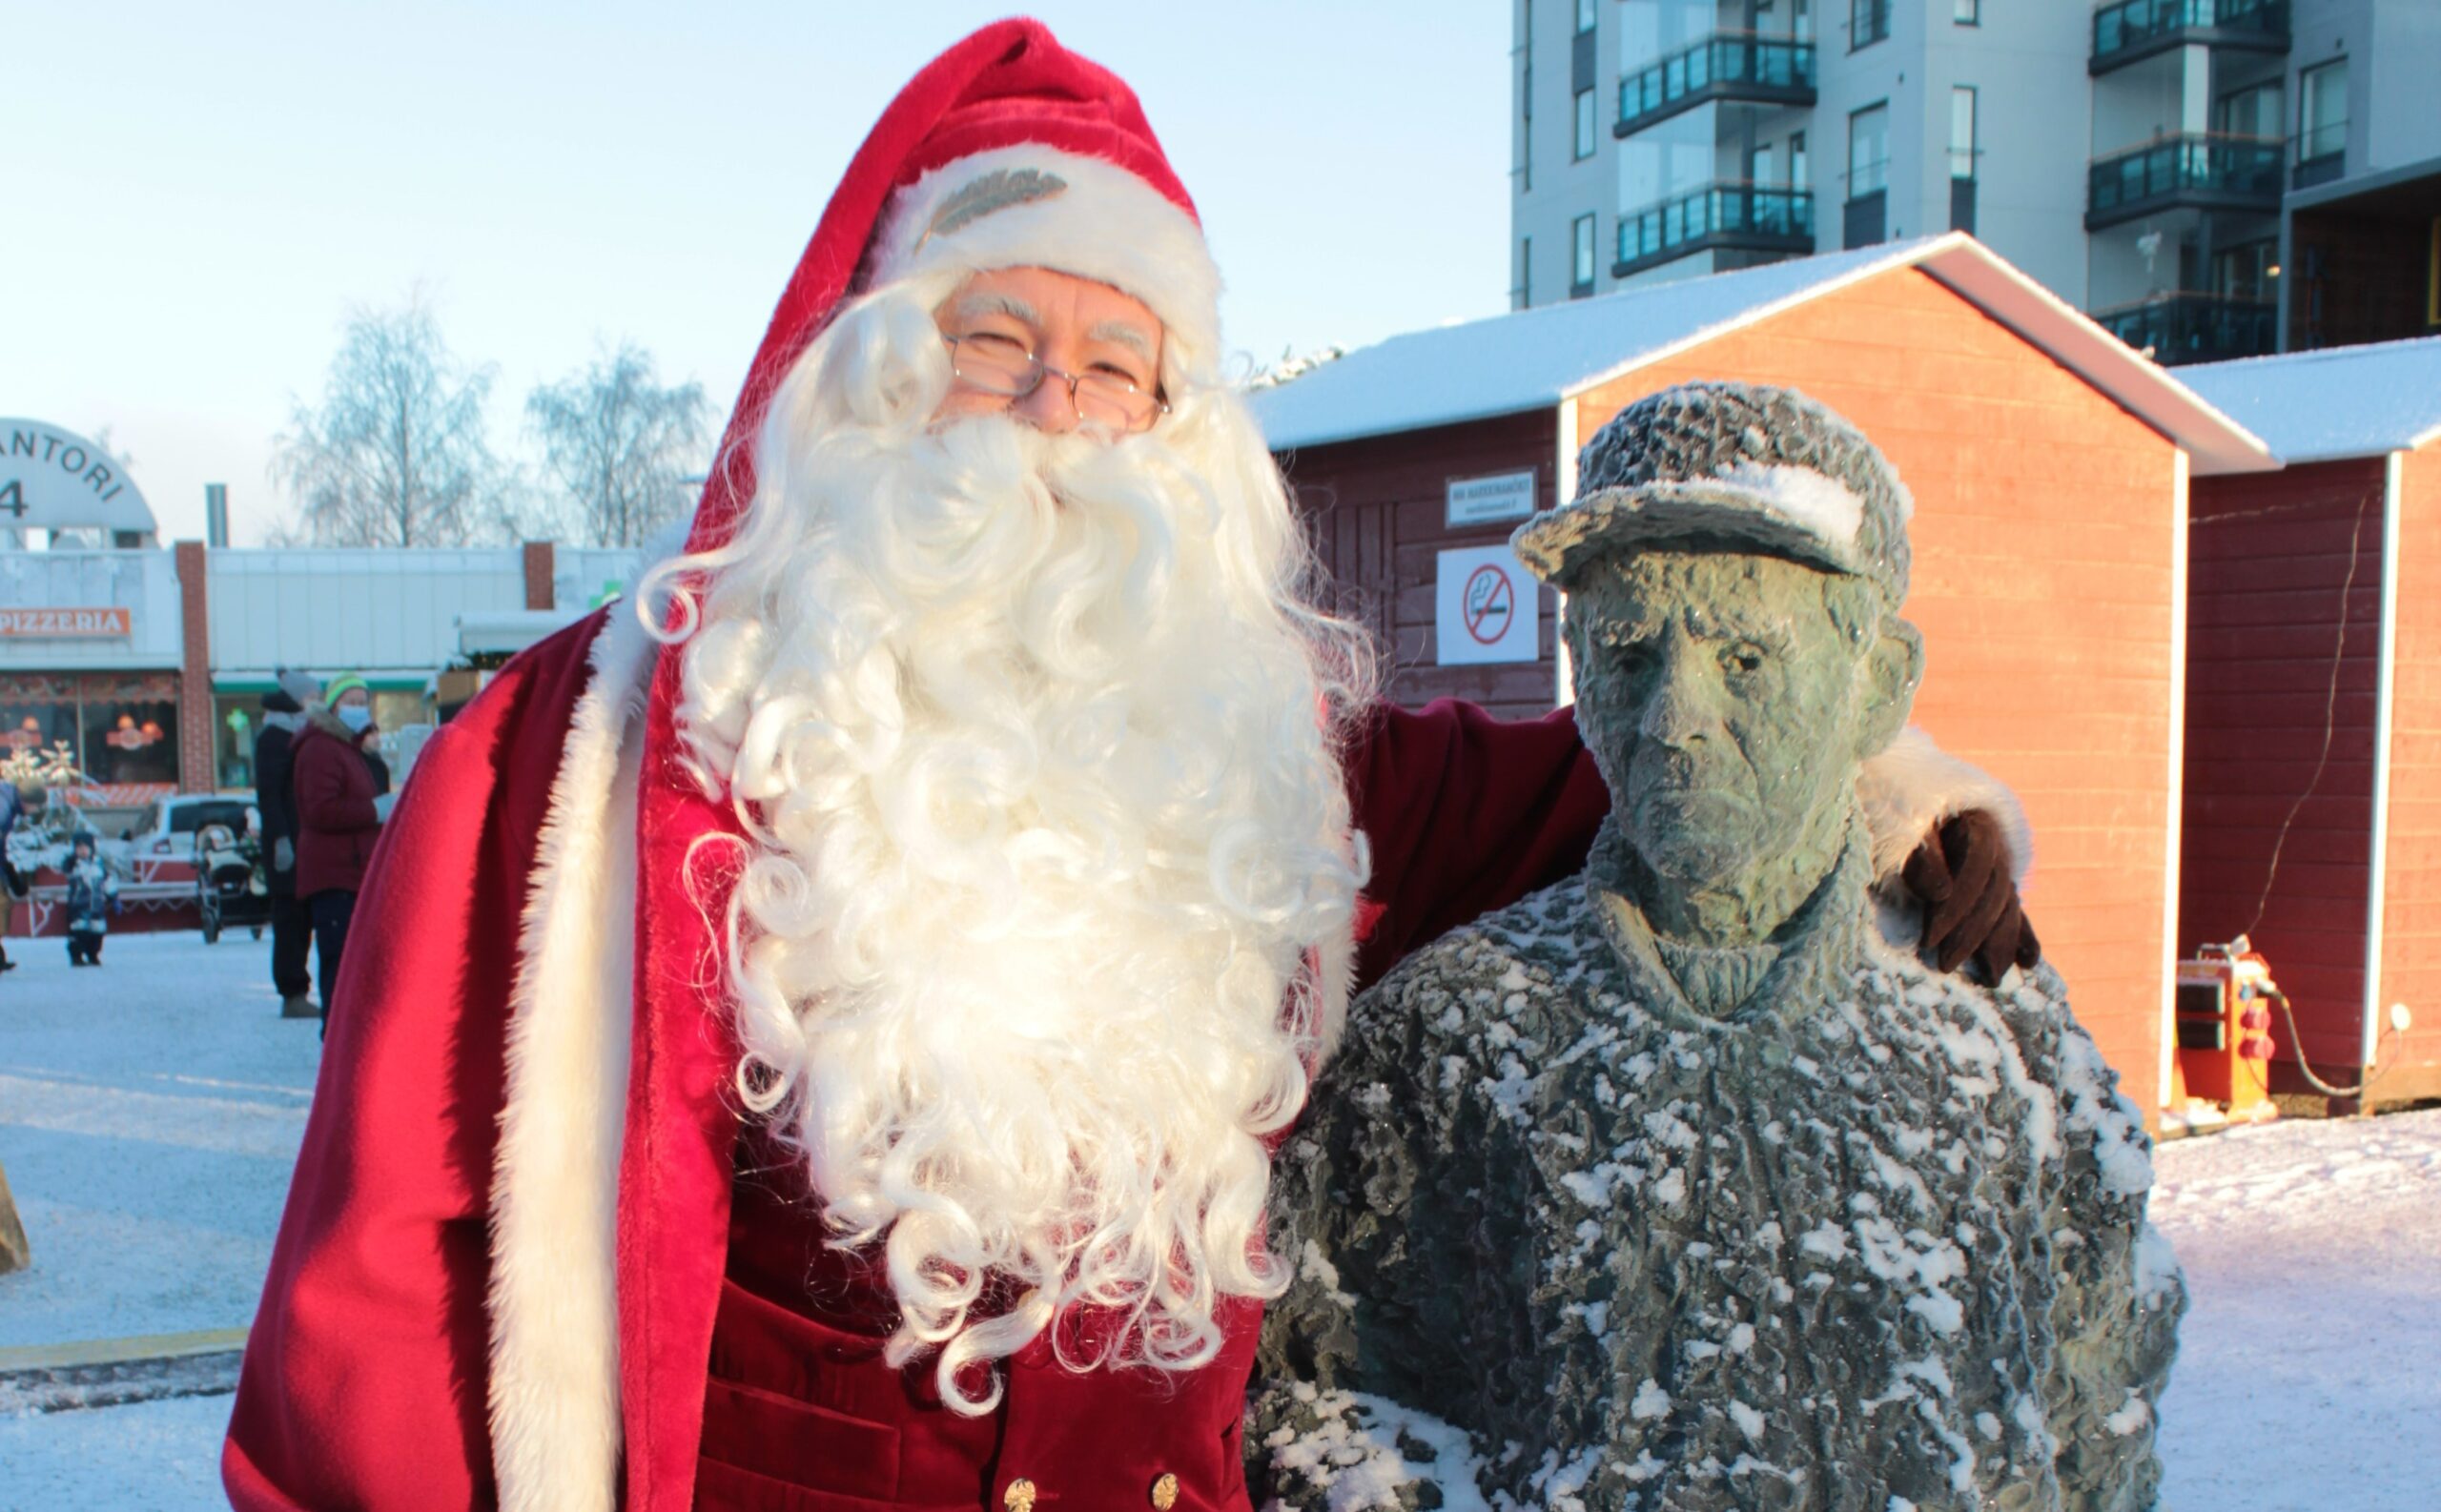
point(150, 1109)
point(150, 1113)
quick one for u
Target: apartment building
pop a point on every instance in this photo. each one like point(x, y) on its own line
point(2209, 179)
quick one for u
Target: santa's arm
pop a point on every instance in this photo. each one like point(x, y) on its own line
point(364, 1381)
point(1465, 813)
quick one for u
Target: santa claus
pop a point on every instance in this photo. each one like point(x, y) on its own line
point(815, 1034)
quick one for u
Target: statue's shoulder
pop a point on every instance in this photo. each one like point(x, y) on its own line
point(1532, 947)
point(1546, 928)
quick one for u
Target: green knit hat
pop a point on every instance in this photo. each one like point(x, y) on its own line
point(342, 683)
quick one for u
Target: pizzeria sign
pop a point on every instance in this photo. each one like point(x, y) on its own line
point(62, 624)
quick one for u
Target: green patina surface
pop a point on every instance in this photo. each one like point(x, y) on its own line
point(1675, 1185)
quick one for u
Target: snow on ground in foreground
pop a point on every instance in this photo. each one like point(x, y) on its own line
point(152, 1456)
point(150, 1113)
point(2307, 1375)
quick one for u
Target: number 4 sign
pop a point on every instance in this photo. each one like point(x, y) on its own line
point(1485, 607)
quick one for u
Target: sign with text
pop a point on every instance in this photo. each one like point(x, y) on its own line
point(1485, 608)
point(61, 625)
point(1490, 501)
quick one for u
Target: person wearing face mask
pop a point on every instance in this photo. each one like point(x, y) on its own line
point(337, 822)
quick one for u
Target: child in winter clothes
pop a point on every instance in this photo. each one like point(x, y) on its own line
point(92, 897)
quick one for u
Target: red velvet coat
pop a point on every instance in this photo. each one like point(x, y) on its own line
point(364, 1382)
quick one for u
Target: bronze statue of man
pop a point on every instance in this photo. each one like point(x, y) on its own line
point(1678, 1185)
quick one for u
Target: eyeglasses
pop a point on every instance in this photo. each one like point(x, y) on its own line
point(990, 363)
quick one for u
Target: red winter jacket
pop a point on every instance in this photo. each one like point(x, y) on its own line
point(335, 822)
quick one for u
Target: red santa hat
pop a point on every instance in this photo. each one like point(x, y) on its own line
point(1006, 151)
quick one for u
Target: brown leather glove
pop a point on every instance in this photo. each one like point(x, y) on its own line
point(1960, 874)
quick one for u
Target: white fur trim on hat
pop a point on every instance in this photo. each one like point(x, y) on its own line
point(1103, 223)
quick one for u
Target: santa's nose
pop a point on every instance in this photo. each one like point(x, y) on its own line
point(1049, 408)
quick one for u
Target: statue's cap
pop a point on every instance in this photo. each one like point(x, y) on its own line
point(1729, 467)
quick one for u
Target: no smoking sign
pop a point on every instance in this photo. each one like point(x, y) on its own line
point(1485, 608)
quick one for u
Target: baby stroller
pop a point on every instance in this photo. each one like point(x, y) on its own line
point(230, 891)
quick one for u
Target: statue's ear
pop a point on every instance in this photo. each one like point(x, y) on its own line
point(1893, 668)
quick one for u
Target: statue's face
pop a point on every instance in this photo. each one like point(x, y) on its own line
point(1723, 702)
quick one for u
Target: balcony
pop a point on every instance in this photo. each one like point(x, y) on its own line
point(2133, 30)
point(1729, 66)
point(1744, 217)
point(2195, 171)
point(2193, 327)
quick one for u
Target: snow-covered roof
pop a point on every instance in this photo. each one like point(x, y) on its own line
point(2340, 401)
point(1533, 358)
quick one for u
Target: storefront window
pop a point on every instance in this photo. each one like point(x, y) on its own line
point(236, 724)
point(37, 711)
point(130, 727)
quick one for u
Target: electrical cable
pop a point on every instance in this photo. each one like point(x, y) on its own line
point(2331, 719)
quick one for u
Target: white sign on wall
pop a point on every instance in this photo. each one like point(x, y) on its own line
point(1490, 501)
point(1485, 608)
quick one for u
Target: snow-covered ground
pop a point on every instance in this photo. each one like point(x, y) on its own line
point(149, 1111)
point(2309, 1367)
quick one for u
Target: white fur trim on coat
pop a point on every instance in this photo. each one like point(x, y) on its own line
point(554, 1184)
point(1914, 785)
point(1104, 224)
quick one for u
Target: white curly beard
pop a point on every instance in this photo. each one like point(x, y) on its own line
point(1031, 734)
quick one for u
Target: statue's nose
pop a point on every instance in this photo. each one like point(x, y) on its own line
point(1679, 712)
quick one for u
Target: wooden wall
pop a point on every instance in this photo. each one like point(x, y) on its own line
point(2271, 555)
point(2412, 905)
point(1379, 511)
point(2044, 541)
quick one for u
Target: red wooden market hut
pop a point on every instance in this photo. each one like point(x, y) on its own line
point(2049, 465)
point(2313, 699)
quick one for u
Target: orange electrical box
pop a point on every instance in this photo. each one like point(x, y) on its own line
point(2223, 1025)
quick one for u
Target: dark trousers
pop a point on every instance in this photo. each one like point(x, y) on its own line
point(85, 946)
point(292, 940)
point(330, 911)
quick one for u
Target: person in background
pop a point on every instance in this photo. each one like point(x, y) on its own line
point(336, 820)
point(92, 897)
point(13, 807)
point(292, 932)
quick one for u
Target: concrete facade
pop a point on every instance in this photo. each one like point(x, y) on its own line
point(2149, 161)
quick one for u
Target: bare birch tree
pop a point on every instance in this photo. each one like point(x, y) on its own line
point(395, 454)
point(619, 445)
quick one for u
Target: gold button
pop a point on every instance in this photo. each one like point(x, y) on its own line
point(1165, 1492)
point(1019, 1497)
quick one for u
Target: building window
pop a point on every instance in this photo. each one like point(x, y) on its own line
point(1963, 151)
point(1759, 165)
point(1868, 23)
point(1586, 11)
point(1584, 124)
point(1869, 150)
point(1967, 13)
point(1801, 172)
point(2256, 112)
point(1580, 271)
point(1867, 216)
point(1802, 19)
point(2245, 272)
point(2322, 118)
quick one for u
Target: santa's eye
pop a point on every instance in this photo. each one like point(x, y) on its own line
point(1744, 657)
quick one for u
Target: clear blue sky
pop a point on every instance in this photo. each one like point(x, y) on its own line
point(197, 193)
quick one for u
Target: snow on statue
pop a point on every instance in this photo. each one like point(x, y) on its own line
point(816, 1034)
point(1675, 1185)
